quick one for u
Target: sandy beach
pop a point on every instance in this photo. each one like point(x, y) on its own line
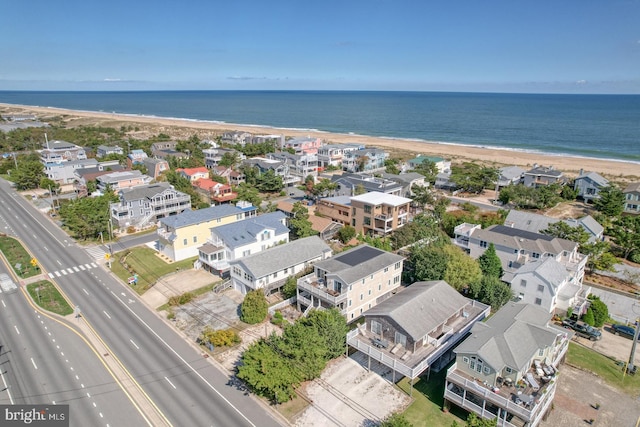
point(178, 128)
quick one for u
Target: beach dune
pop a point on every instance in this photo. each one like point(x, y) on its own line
point(612, 169)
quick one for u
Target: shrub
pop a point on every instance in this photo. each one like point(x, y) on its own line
point(254, 307)
point(277, 318)
point(221, 337)
point(185, 298)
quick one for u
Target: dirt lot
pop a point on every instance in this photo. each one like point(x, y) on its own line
point(578, 390)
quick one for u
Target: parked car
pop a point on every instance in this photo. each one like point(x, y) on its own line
point(582, 329)
point(624, 330)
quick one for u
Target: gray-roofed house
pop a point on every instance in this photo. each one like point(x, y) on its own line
point(589, 184)
point(180, 236)
point(242, 238)
point(300, 165)
point(415, 329)
point(548, 284)
point(507, 368)
point(61, 151)
point(517, 247)
point(365, 160)
point(353, 281)
point(85, 175)
point(155, 167)
point(268, 270)
point(166, 149)
point(407, 180)
point(536, 223)
point(119, 180)
point(542, 175)
point(105, 150)
point(349, 182)
point(510, 175)
point(632, 198)
point(142, 206)
point(64, 172)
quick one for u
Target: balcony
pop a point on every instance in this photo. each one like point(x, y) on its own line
point(317, 288)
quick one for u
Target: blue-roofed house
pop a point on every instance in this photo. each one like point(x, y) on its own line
point(239, 239)
point(180, 236)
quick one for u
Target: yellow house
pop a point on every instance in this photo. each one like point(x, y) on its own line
point(179, 236)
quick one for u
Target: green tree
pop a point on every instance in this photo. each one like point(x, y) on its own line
point(49, 184)
point(395, 420)
point(625, 232)
point(359, 189)
point(324, 187)
point(229, 159)
point(599, 309)
point(422, 195)
point(600, 256)
point(28, 174)
point(492, 291)
point(299, 222)
point(346, 233)
point(391, 166)
point(426, 262)
point(248, 193)
point(474, 178)
point(588, 317)
point(290, 287)
point(428, 169)
point(490, 263)
point(563, 230)
point(254, 307)
point(88, 217)
point(611, 201)
point(267, 373)
point(461, 270)
point(269, 181)
point(331, 326)
point(475, 421)
point(305, 347)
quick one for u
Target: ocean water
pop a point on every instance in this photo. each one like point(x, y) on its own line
point(600, 126)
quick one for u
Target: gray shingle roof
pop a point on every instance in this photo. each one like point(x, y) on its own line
point(595, 177)
point(359, 262)
point(189, 217)
point(421, 307)
point(511, 337)
point(521, 239)
point(548, 271)
point(244, 232)
point(283, 256)
point(146, 191)
point(535, 222)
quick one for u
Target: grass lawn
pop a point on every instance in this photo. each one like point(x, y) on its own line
point(426, 409)
point(147, 265)
point(47, 296)
point(604, 367)
point(16, 254)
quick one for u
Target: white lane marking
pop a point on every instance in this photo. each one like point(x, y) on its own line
point(100, 413)
point(88, 266)
point(81, 385)
point(170, 383)
point(82, 268)
point(106, 314)
point(134, 344)
point(70, 271)
point(182, 359)
point(58, 261)
point(34, 363)
point(94, 404)
point(58, 274)
point(51, 275)
point(6, 387)
point(85, 291)
point(46, 249)
point(16, 329)
point(3, 304)
point(76, 269)
point(77, 377)
point(88, 395)
point(64, 272)
point(94, 265)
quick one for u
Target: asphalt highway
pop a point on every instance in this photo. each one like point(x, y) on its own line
point(185, 387)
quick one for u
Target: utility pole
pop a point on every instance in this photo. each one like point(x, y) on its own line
point(632, 356)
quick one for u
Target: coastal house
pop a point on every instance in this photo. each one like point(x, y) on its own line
point(121, 180)
point(443, 181)
point(238, 239)
point(408, 180)
point(261, 139)
point(166, 149)
point(324, 226)
point(352, 281)
point(364, 160)
point(632, 198)
point(105, 150)
point(217, 192)
point(303, 145)
point(536, 223)
point(507, 369)
point(336, 208)
point(193, 174)
point(144, 205)
point(232, 177)
point(181, 235)
point(61, 151)
point(351, 183)
point(280, 168)
point(300, 165)
point(378, 213)
point(441, 164)
point(416, 329)
point(269, 269)
point(213, 156)
point(332, 154)
point(589, 184)
point(543, 175)
point(155, 167)
point(64, 172)
point(136, 157)
point(510, 175)
point(236, 137)
point(85, 175)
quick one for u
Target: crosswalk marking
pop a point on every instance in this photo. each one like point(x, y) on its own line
point(82, 268)
point(58, 274)
point(94, 265)
point(76, 269)
point(70, 271)
point(64, 272)
point(51, 275)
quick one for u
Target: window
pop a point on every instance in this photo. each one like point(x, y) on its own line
point(465, 359)
point(369, 291)
point(535, 255)
point(386, 269)
point(523, 283)
point(367, 220)
point(376, 327)
point(184, 242)
point(538, 301)
point(353, 222)
point(540, 288)
point(397, 266)
point(508, 370)
point(487, 370)
point(379, 287)
point(483, 244)
point(246, 253)
point(367, 209)
point(361, 297)
point(396, 280)
point(218, 220)
point(349, 303)
point(541, 352)
point(195, 239)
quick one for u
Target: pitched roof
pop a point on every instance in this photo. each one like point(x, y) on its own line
point(510, 172)
point(146, 191)
point(358, 262)
point(544, 170)
point(189, 217)
point(522, 239)
point(280, 257)
point(535, 222)
point(634, 187)
point(241, 233)
point(595, 177)
point(548, 271)
point(421, 307)
point(511, 337)
point(193, 171)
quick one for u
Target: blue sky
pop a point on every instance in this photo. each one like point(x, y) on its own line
point(543, 46)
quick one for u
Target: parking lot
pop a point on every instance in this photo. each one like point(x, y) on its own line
point(611, 345)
